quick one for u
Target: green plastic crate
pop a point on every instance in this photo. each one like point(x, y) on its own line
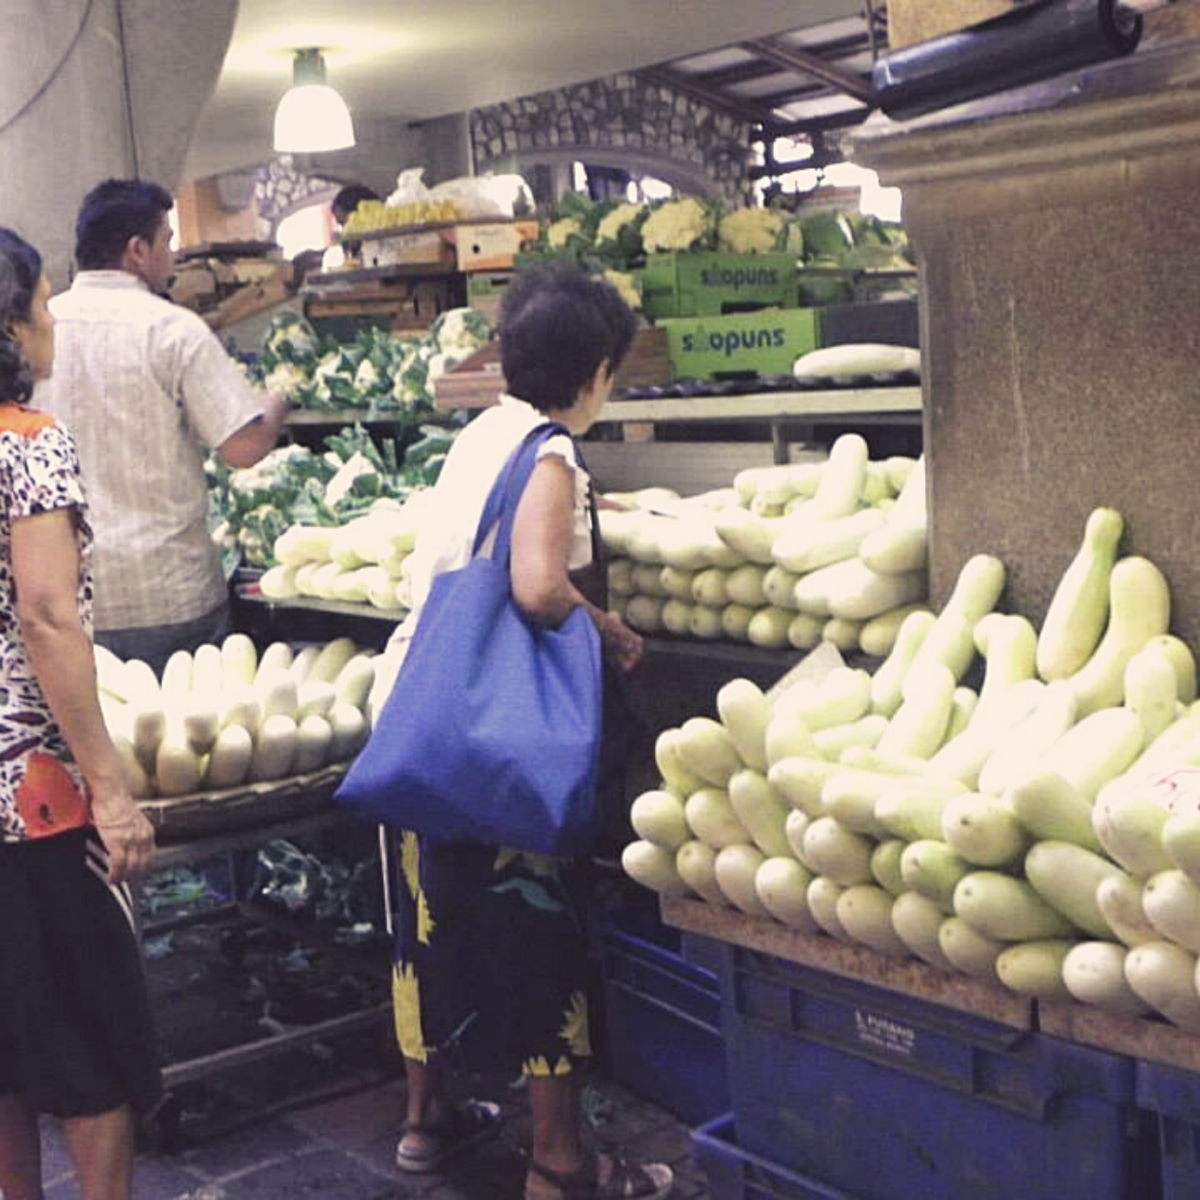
point(757, 343)
point(703, 283)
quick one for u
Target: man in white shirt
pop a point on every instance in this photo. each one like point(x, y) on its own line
point(148, 390)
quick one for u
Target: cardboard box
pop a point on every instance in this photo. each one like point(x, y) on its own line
point(912, 21)
point(766, 342)
point(704, 283)
point(491, 245)
point(485, 291)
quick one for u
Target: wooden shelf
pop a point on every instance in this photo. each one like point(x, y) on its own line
point(341, 416)
point(757, 406)
point(907, 976)
point(337, 608)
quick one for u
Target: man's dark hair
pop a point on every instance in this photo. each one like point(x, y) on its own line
point(348, 199)
point(113, 212)
point(20, 270)
point(557, 325)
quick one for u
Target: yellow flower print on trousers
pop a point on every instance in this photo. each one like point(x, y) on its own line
point(410, 862)
point(539, 1068)
point(406, 1008)
point(575, 1027)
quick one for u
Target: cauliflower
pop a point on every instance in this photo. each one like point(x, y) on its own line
point(676, 225)
point(291, 338)
point(611, 225)
point(627, 287)
point(367, 376)
point(559, 232)
point(461, 329)
point(285, 380)
point(750, 230)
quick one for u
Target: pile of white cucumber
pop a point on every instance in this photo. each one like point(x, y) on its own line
point(1040, 831)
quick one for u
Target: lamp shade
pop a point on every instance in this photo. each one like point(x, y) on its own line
point(312, 117)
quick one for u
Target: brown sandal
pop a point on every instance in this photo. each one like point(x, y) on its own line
point(465, 1125)
point(625, 1181)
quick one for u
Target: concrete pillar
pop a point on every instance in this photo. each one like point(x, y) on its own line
point(1058, 236)
point(96, 89)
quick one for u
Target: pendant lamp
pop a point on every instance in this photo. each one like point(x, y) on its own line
point(312, 117)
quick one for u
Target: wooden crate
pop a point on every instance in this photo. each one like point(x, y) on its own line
point(912, 21)
point(478, 382)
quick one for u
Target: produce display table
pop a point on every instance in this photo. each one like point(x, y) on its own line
point(1136, 1037)
point(905, 976)
point(211, 839)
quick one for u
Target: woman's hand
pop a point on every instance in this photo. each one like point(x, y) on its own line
point(622, 647)
point(125, 831)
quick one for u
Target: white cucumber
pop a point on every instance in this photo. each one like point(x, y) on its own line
point(1067, 877)
point(885, 865)
point(1035, 968)
point(973, 953)
point(888, 680)
point(1119, 899)
point(1052, 809)
point(1006, 908)
point(1139, 608)
point(838, 853)
point(1094, 973)
point(1021, 747)
point(822, 896)
point(919, 724)
point(984, 830)
point(865, 913)
point(781, 884)
point(931, 869)
point(1074, 621)
point(695, 863)
point(711, 818)
point(1171, 902)
point(760, 809)
point(735, 868)
point(653, 867)
point(1098, 748)
point(917, 921)
point(1164, 976)
point(836, 740)
point(911, 808)
point(658, 817)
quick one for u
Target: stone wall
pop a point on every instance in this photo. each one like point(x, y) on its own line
point(618, 121)
point(280, 189)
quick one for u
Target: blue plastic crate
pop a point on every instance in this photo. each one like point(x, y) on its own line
point(736, 1174)
point(1172, 1095)
point(662, 1035)
point(885, 1096)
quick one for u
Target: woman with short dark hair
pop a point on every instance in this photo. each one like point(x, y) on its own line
point(491, 962)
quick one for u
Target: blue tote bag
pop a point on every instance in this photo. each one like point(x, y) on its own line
point(492, 730)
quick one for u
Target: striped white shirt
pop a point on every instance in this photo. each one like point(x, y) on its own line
point(146, 388)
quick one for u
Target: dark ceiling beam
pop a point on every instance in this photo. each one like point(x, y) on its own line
point(714, 99)
point(808, 125)
point(812, 64)
point(743, 72)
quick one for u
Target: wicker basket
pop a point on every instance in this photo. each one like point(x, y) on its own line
point(200, 814)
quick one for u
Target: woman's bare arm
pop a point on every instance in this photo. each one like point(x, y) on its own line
point(543, 531)
point(45, 559)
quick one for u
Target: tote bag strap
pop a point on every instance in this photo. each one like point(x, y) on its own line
point(506, 492)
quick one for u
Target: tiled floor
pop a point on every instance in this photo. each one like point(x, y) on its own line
point(249, 1138)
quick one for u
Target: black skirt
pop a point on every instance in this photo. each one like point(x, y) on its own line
point(76, 1038)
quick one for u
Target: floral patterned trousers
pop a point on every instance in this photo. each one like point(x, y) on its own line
point(491, 963)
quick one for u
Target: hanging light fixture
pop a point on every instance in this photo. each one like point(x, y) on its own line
point(311, 116)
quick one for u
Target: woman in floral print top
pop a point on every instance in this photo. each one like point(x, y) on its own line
point(74, 1018)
